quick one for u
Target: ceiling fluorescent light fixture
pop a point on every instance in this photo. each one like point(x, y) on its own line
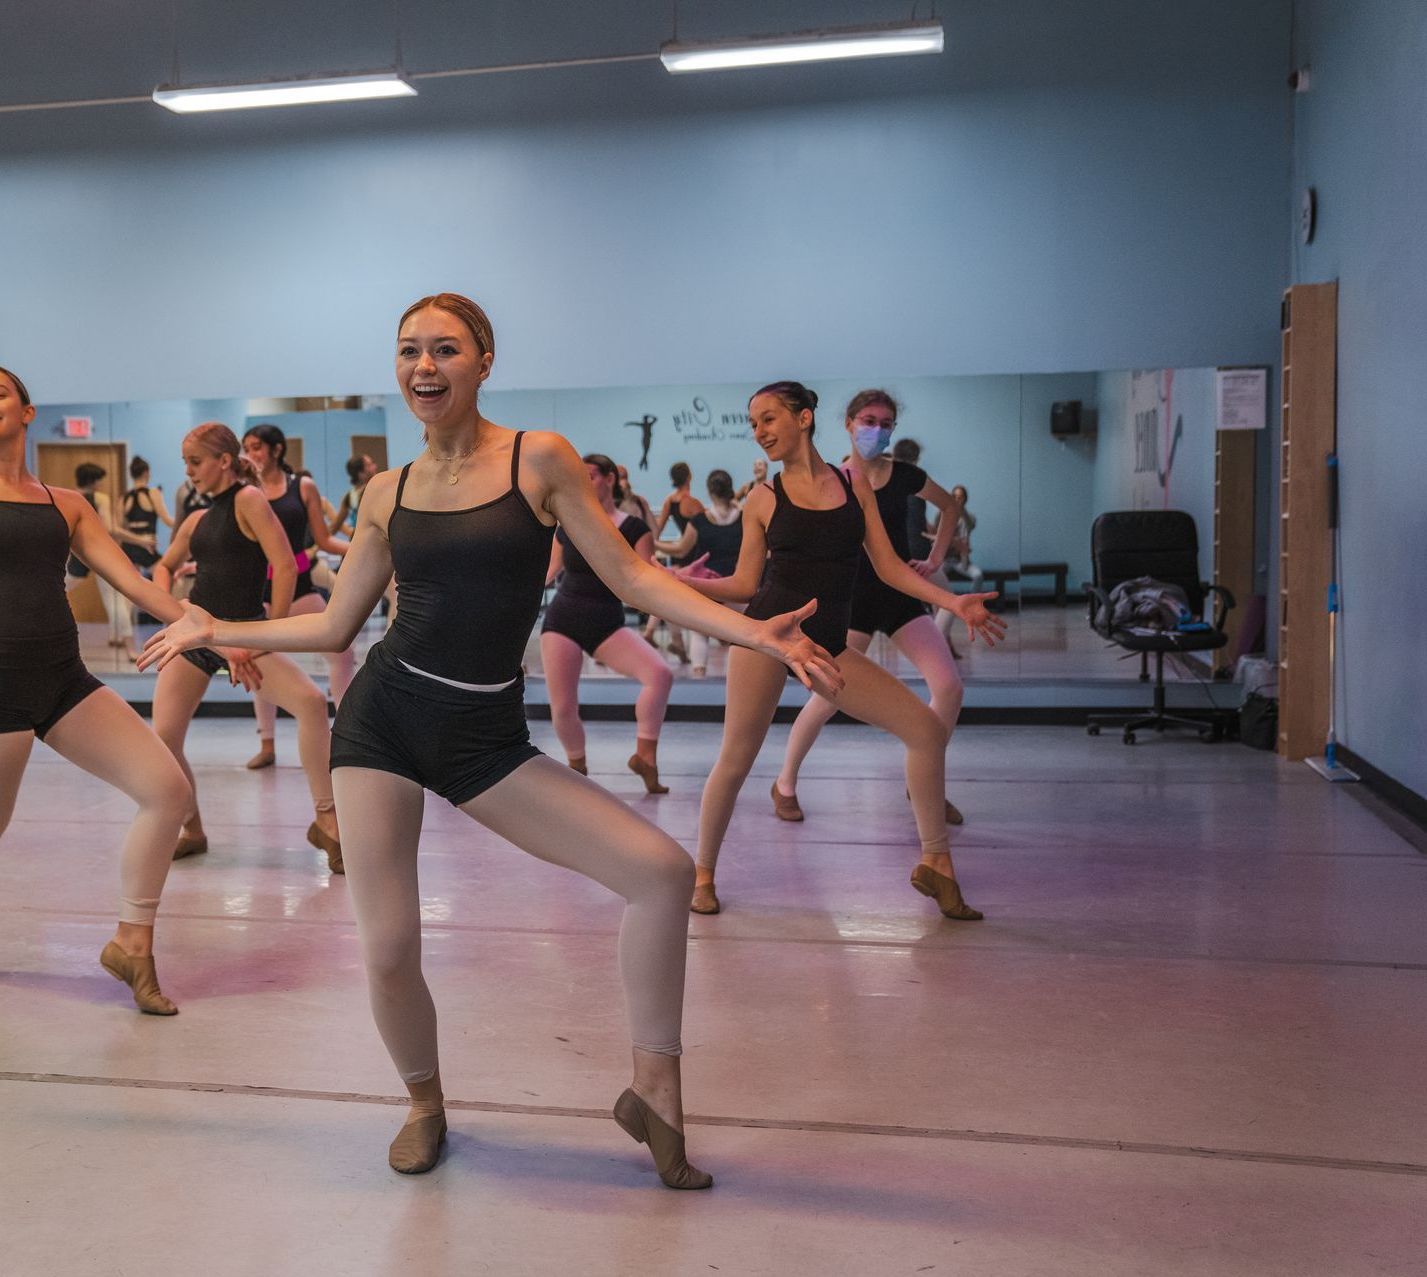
point(242, 97)
point(805, 46)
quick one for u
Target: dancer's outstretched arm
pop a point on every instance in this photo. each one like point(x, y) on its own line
point(887, 563)
point(568, 495)
point(743, 583)
point(93, 544)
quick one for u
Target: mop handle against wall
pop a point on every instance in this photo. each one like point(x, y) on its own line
point(1330, 750)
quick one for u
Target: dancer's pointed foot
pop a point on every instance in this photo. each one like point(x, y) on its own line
point(946, 892)
point(648, 773)
point(190, 845)
point(705, 899)
point(324, 841)
point(579, 765)
point(140, 976)
point(785, 806)
point(642, 1124)
point(417, 1146)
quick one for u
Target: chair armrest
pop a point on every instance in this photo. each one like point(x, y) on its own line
point(1099, 602)
point(1224, 602)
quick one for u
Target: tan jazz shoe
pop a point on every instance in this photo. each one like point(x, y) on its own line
point(140, 976)
point(642, 1124)
point(324, 841)
point(785, 807)
point(579, 765)
point(946, 892)
point(189, 845)
point(648, 773)
point(417, 1146)
point(705, 899)
point(263, 758)
point(953, 812)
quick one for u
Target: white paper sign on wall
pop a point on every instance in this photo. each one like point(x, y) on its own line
point(1241, 398)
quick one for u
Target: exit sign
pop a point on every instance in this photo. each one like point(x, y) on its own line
point(78, 427)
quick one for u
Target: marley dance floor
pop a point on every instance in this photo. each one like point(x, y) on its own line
point(1188, 1039)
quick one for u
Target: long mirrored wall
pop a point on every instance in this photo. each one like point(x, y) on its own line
point(1039, 457)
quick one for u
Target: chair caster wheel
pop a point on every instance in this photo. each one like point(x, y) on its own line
point(1093, 729)
point(1129, 738)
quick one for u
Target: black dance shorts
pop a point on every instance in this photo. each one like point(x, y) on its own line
point(454, 742)
point(35, 699)
point(878, 608)
point(588, 622)
point(827, 627)
point(207, 660)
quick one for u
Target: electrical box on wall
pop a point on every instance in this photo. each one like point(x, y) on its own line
point(1070, 420)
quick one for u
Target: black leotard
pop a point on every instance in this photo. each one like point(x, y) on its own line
point(812, 554)
point(142, 521)
point(720, 541)
point(292, 514)
point(41, 675)
point(469, 584)
point(231, 568)
point(584, 608)
point(875, 604)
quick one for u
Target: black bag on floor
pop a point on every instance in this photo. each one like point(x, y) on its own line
point(1258, 721)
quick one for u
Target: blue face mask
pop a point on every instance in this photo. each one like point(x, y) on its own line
point(871, 441)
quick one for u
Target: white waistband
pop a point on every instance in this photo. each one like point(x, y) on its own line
point(465, 687)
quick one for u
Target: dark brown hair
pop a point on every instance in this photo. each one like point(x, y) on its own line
point(680, 474)
point(273, 436)
point(607, 468)
point(796, 398)
point(19, 386)
point(720, 485)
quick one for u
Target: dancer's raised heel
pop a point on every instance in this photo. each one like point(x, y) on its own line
point(946, 892)
point(705, 899)
point(140, 976)
point(785, 806)
point(648, 773)
point(417, 1146)
point(643, 1125)
point(324, 841)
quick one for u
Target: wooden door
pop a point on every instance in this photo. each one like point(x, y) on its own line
point(373, 446)
point(56, 463)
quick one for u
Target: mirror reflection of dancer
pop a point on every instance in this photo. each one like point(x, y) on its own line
point(877, 607)
point(46, 692)
point(586, 616)
point(234, 543)
point(715, 534)
point(810, 524)
point(439, 704)
point(760, 475)
point(680, 505)
point(645, 426)
point(298, 506)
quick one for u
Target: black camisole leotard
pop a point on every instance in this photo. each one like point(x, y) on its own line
point(812, 554)
point(232, 572)
point(469, 585)
point(41, 675)
point(292, 514)
point(584, 609)
point(877, 606)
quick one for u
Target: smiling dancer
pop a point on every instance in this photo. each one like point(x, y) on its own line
point(298, 506)
point(811, 524)
point(586, 616)
point(235, 543)
point(877, 607)
point(46, 692)
point(714, 535)
point(439, 704)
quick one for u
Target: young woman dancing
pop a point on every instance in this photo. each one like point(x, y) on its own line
point(298, 506)
point(438, 705)
point(680, 505)
point(586, 616)
point(714, 535)
point(235, 542)
point(811, 524)
point(878, 607)
point(46, 692)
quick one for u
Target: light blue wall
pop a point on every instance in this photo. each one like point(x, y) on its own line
point(1066, 201)
point(1362, 142)
point(1057, 477)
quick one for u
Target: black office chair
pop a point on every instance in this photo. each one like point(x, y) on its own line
point(1163, 544)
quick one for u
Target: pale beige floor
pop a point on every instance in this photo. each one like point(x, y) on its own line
point(1187, 1039)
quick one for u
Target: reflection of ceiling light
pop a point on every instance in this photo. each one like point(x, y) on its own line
point(807, 46)
point(240, 97)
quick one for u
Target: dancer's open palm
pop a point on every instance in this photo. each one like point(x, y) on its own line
point(193, 629)
point(783, 638)
point(971, 608)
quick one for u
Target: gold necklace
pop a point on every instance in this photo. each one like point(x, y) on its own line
point(459, 458)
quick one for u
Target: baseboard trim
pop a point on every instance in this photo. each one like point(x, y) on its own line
point(1394, 793)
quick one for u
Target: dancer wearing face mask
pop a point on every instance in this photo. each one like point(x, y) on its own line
point(810, 525)
point(878, 607)
point(235, 543)
point(298, 506)
point(439, 704)
point(586, 616)
point(46, 692)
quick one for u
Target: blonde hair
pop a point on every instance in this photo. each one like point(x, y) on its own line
point(215, 437)
point(464, 309)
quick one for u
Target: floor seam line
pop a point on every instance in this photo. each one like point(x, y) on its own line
point(863, 1129)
